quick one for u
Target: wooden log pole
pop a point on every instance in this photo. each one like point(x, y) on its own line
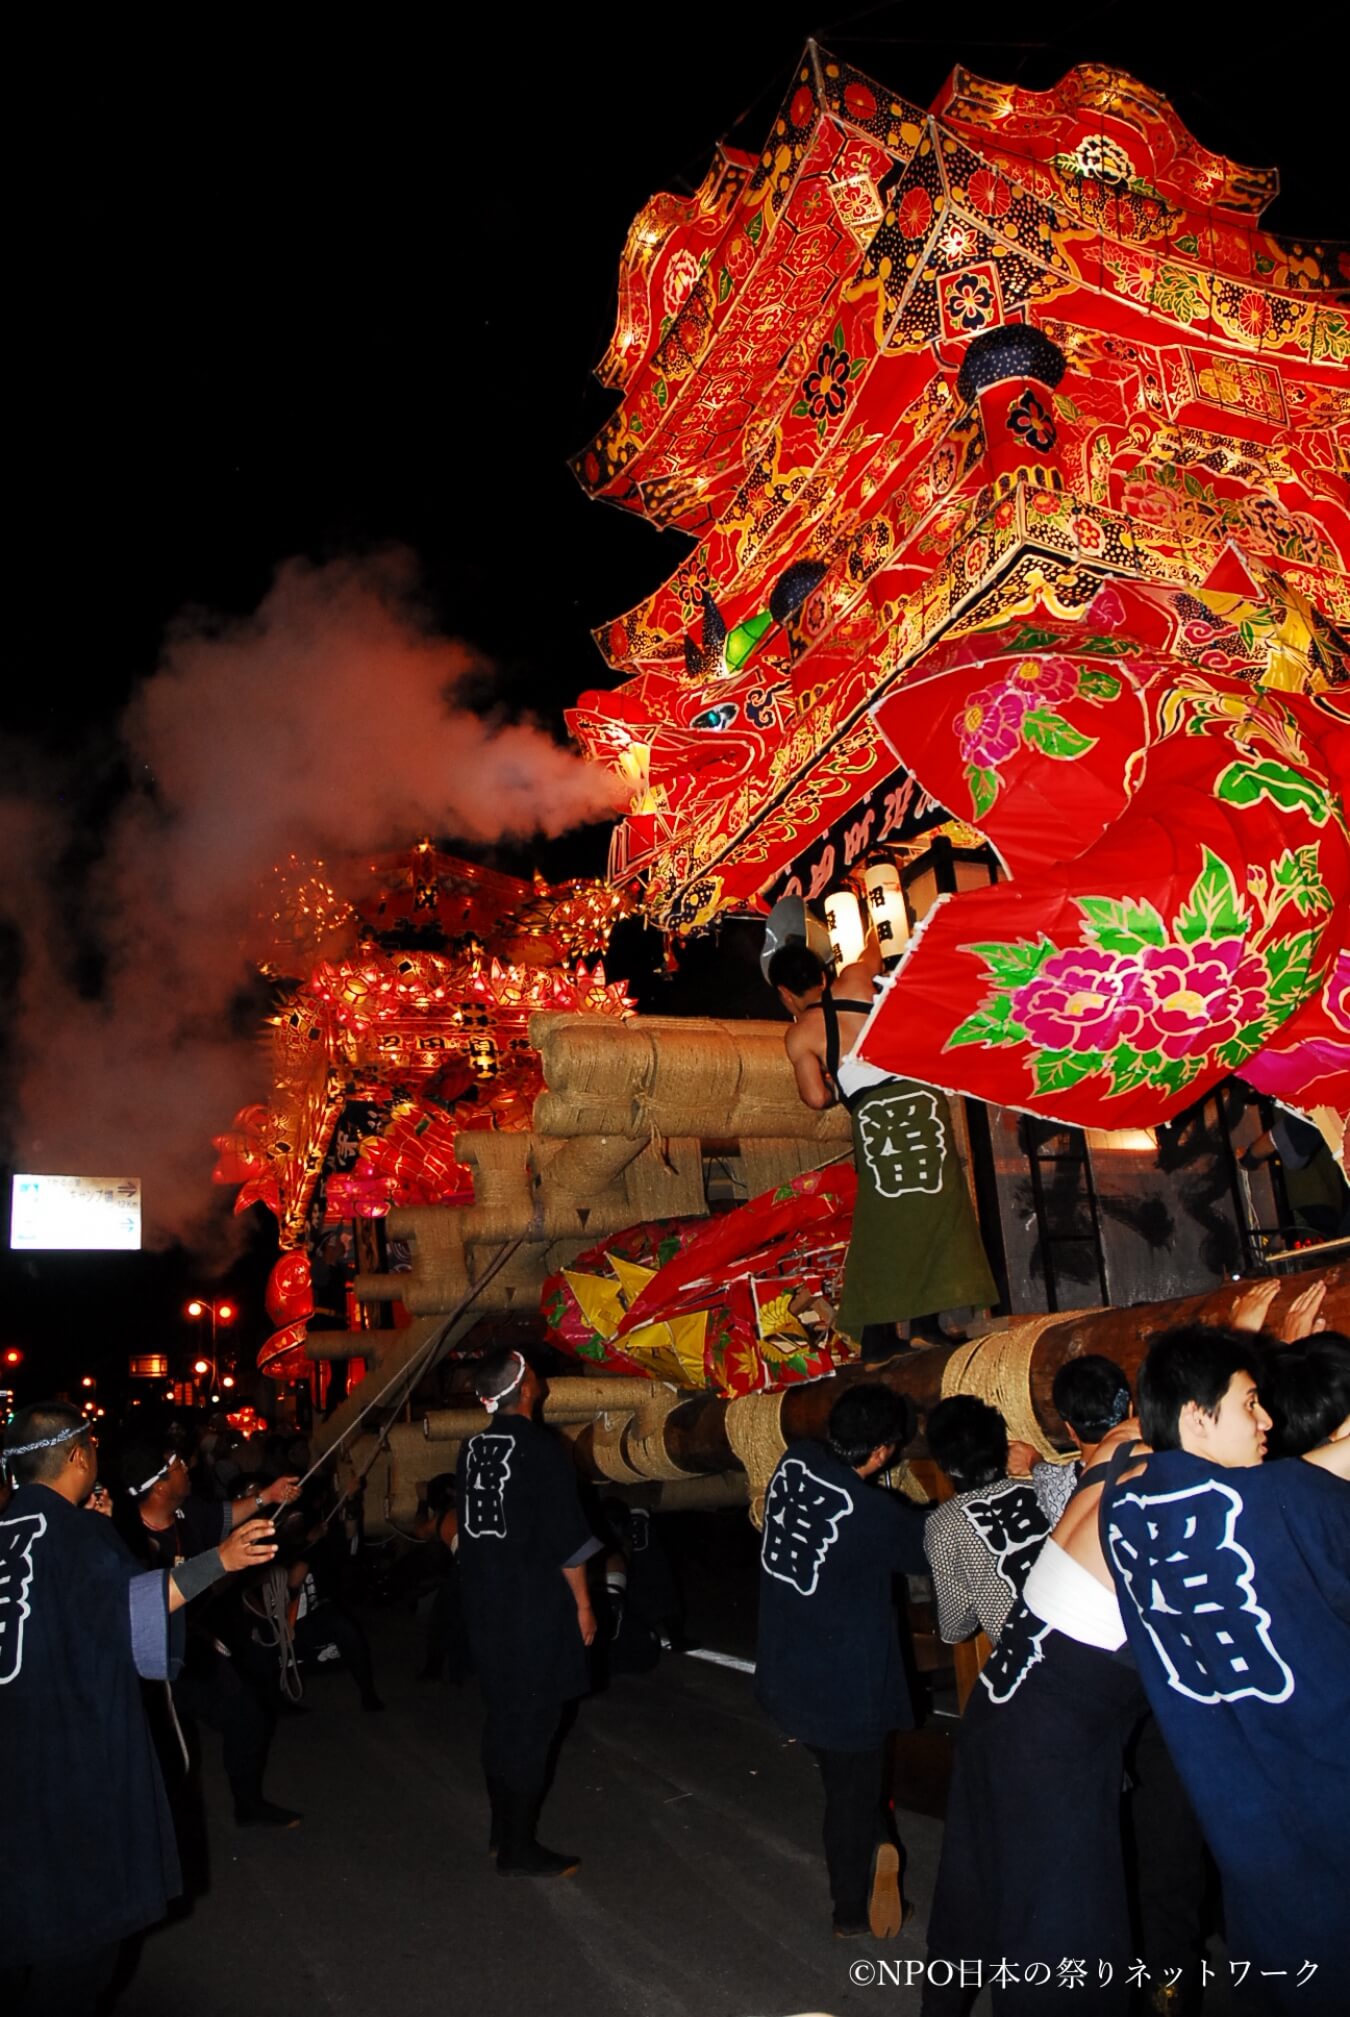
point(694, 1433)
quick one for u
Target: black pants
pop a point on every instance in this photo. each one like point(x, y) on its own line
point(1032, 1866)
point(1168, 1864)
point(447, 1640)
point(518, 1740)
point(854, 1824)
point(65, 1988)
point(211, 1690)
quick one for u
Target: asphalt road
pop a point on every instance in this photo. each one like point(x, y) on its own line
point(702, 1888)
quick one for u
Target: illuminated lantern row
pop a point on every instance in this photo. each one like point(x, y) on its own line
point(435, 1041)
point(1010, 443)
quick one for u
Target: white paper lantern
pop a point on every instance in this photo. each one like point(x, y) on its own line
point(886, 908)
point(844, 917)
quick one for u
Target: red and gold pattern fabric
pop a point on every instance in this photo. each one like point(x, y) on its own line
point(804, 409)
point(706, 1302)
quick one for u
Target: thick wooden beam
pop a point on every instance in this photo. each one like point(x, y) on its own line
point(694, 1434)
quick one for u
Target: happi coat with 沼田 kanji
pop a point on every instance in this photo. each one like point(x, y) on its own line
point(829, 1668)
point(1234, 1589)
point(87, 1853)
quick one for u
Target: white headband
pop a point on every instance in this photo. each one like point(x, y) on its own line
point(493, 1402)
point(139, 1491)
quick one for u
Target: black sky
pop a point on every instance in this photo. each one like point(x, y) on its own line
point(310, 287)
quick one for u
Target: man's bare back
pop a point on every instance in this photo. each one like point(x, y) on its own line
point(805, 1042)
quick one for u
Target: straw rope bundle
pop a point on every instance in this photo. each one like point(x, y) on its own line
point(667, 1076)
point(646, 1442)
point(607, 1453)
point(501, 1177)
point(997, 1369)
point(754, 1430)
point(666, 1181)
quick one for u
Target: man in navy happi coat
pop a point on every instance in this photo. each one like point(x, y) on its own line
point(524, 1543)
point(829, 1668)
point(87, 1852)
point(1234, 1586)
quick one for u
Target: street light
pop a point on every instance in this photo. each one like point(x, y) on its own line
point(220, 1313)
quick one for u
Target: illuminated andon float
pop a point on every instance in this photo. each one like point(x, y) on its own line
point(1012, 450)
point(409, 1027)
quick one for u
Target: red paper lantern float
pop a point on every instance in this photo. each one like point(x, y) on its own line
point(1007, 437)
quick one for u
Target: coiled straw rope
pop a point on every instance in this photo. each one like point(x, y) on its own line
point(997, 1369)
point(755, 1432)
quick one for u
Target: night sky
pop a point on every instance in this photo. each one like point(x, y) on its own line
point(314, 293)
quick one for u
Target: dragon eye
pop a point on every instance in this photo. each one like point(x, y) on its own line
point(717, 717)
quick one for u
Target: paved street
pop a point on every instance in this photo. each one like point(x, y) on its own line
point(702, 1889)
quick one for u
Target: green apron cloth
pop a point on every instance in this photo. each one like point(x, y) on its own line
point(916, 1242)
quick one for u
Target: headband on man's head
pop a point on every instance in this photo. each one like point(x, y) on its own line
point(13, 1450)
point(493, 1401)
point(139, 1491)
point(1118, 1409)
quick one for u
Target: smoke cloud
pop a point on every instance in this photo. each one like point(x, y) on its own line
point(325, 724)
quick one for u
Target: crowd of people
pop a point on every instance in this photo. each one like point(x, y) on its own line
point(176, 1586)
point(1167, 1693)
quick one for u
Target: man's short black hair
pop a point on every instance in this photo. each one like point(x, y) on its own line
point(141, 1458)
point(1092, 1395)
point(500, 1375)
point(864, 1418)
point(1306, 1390)
point(34, 1424)
point(795, 967)
point(969, 1440)
point(1194, 1362)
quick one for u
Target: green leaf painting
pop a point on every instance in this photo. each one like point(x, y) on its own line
point(1289, 966)
point(1014, 965)
point(1248, 783)
point(1214, 909)
point(1056, 1071)
point(1118, 925)
point(983, 788)
point(1054, 736)
point(1298, 871)
point(991, 1024)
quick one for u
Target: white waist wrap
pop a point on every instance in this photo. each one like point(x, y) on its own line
point(1064, 1594)
point(854, 1076)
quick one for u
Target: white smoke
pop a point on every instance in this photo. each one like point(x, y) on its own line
point(324, 724)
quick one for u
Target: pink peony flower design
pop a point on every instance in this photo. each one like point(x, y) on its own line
point(1083, 1000)
point(1044, 682)
point(1106, 609)
point(990, 725)
point(1202, 995)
